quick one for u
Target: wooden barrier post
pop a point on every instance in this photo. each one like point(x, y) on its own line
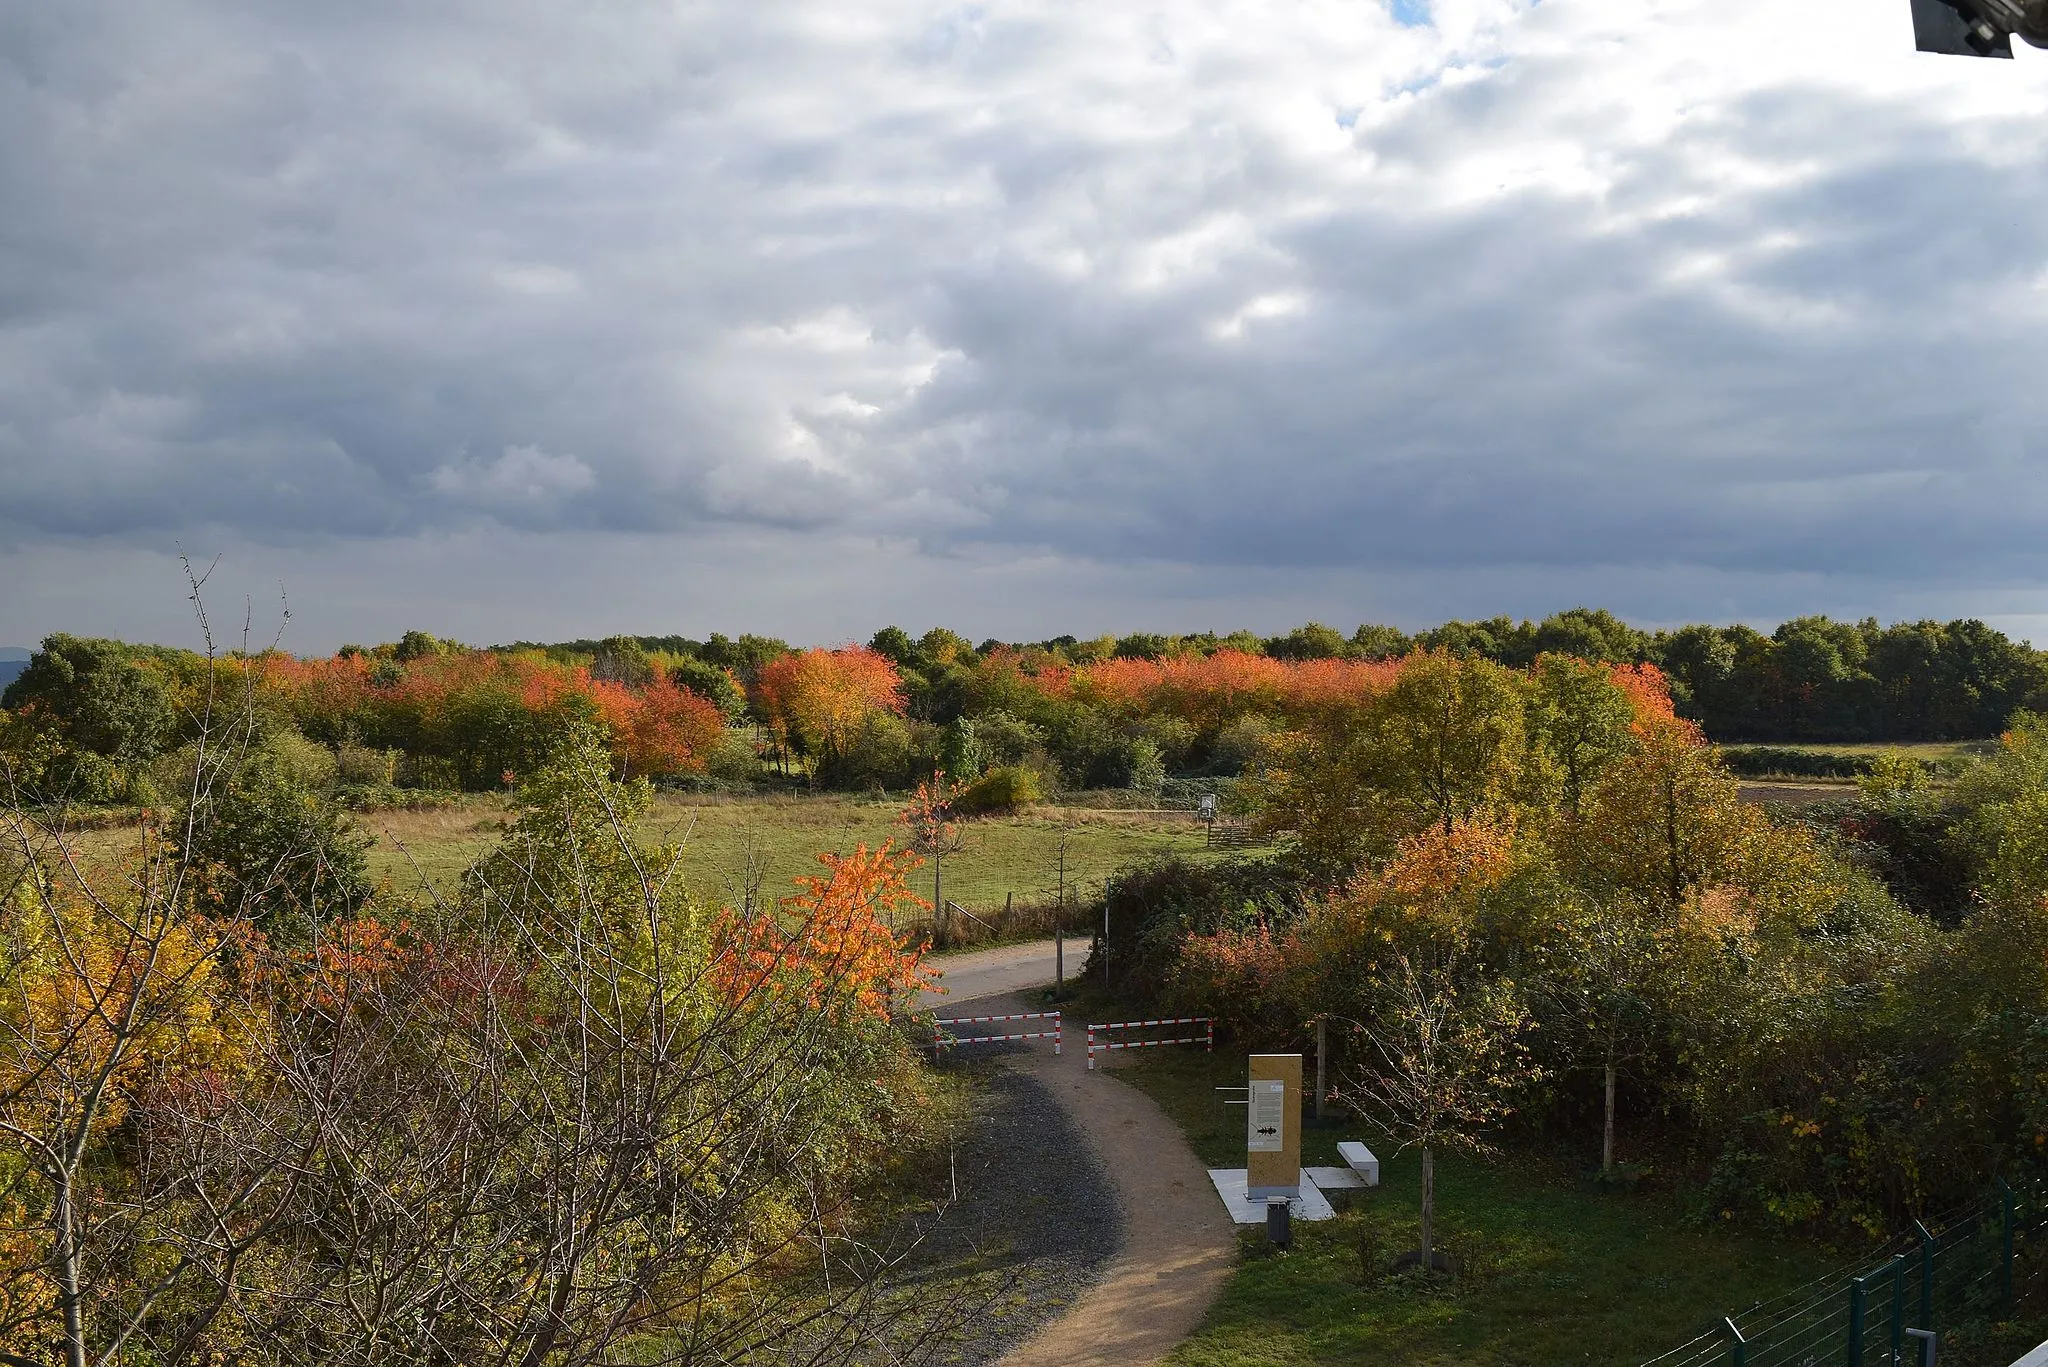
point(1322, 1064)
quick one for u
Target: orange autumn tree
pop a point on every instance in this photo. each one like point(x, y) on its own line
point(1212, 691)
point(834, 941)
point(482, 714)
point(659, 729)
point(817, 701)
point(1437, 739)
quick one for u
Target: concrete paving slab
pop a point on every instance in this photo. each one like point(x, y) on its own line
point(1230, 1184)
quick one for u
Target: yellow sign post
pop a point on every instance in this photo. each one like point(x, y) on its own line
point(1273, 1129)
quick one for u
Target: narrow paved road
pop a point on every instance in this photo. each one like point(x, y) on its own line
point(1178, 1245)
point(991, 972)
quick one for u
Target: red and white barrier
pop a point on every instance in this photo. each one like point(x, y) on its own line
point(945, 1041)
point(1207, 1039)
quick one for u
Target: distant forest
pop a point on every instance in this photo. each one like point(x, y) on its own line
point(106, 721)
point(1813, 679)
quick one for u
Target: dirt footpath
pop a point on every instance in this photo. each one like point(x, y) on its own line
point(1178, 1244)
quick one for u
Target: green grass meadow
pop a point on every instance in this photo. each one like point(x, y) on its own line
point(1555, 1268)
point(780, 839)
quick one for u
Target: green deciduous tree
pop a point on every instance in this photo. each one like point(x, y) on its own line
point(1581, 719)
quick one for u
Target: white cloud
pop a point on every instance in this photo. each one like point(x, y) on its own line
point(520, 476)
point(1670, 288)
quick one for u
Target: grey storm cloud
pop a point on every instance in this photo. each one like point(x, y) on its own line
point(1304, 287)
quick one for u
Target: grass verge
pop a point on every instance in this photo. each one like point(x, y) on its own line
point(1555, 1270)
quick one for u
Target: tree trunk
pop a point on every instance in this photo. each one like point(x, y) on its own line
point(1428, 1249)
point(1607, 1128)
point(64, 1262)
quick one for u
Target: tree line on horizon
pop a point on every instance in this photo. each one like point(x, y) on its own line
point(1811, 679)
point(106, 721)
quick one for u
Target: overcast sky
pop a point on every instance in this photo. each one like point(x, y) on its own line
point(514, 318)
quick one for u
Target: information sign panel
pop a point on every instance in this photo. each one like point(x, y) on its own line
point(1267, 1132)
point(1273, 1129)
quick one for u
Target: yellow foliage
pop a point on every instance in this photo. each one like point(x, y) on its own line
point(97, 1000)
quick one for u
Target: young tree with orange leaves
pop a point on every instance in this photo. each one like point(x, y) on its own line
point(660, 728)
point(836, 937)
point(928, 816)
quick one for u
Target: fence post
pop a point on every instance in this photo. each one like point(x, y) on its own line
point(1738, 1346)
point(1898, 1306)
point(1926, 1274)
point(1859, 1293)
point(2006, 1204)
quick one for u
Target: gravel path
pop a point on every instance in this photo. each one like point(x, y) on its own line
point(1037, 1216)
point(1087, 1188)
point(1178, 1245)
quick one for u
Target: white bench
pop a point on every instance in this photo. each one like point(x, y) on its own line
point(1360, 1160)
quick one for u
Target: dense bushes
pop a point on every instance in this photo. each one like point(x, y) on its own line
point(1769, 761)
point(1834, 1018)
point(1150, 910)
point(568, 1114)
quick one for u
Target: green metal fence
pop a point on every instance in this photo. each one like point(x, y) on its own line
point(1954, 1268)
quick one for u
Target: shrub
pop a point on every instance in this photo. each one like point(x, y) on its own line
point(273, 848)
point(1000, 790)
point(1151, 909)
point(711, 683)
point(1776, 761)
point(737, 758)
point(1239, 745)
point(360, 764)
point(1148, 768)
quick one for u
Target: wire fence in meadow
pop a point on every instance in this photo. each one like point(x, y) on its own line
point(1889, 1307)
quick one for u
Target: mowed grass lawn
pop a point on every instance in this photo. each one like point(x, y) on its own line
point(1556, 1270)
point(782, 837)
